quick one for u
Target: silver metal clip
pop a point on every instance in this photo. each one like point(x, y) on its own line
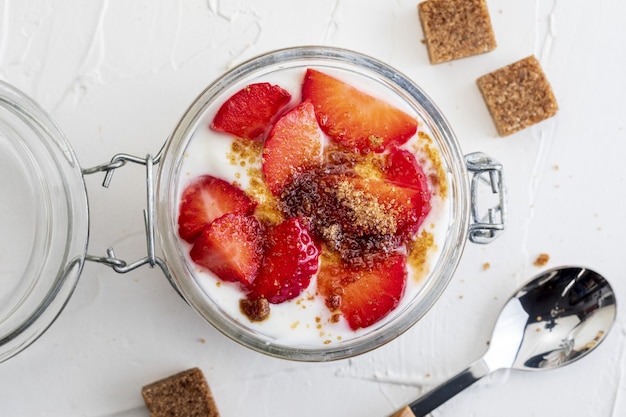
point(111, 260)
point(485, 170)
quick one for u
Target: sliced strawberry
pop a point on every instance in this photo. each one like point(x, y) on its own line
point(206, 199)
point(291, 259)
point(401, 168)
point(407, 207)
point(353, 118)
point(231, 247)
point(294, 145)
point(363, 296)
point(249, 112)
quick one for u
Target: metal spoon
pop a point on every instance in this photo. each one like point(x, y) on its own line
point(555, 319)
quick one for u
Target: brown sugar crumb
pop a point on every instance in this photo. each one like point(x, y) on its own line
point(267, 209)
point(244, 150)
point(185, 394)
point(333, 302)
point(518, 95)
point(456, 28)
point(366, 211)
point(418, 253)
point(257, 309)
point(542, 259)
point(438, 177)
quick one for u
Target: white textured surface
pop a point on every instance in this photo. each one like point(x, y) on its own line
point(117, 76)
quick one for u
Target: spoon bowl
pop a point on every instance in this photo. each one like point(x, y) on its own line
point(558, 317)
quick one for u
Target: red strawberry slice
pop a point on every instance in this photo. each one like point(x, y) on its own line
point(376, 206)
point(402, 168)
point(231, 247)
point(291, 259)
point(249, 112)
point(206, 199)
point(407, 207)
point(363, 296)
point(353, 118)
point(293, 146)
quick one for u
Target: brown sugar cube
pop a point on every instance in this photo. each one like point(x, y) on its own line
point(456, 29)
point(518, 95)
point(185, 394)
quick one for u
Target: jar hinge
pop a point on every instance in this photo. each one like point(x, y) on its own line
point(111, 260)
point(486, 170)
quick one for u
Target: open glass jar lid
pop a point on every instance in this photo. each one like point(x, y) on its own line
point(44, 208)
point(43, 221)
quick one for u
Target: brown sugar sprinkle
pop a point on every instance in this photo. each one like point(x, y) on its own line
point(267, 210)
point(245, 150)
point(438, 178)
point(350, 221)
point(249, 152)
point(185, 394)
point(370, 166)
point(418, 251)
point(542, 259)
point(333, 302)
point(366, 211)
point(257, 309)
point(518, 96)
point(456, 29)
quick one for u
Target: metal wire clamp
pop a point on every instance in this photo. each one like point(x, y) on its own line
point(111, 260)
point(484, 169)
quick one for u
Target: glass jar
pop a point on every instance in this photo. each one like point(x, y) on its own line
point(43, 219)
point(47, 221)
point(463, 215)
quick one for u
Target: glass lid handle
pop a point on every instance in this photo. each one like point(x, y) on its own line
point(111, 260)
point(485, 170)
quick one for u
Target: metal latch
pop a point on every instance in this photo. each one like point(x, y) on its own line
point(484, 170)
point(111, 260)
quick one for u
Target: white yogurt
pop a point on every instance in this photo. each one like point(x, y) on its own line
point(304, 321)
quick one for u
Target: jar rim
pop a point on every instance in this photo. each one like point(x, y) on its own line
point(44, 209)
point(170, 172)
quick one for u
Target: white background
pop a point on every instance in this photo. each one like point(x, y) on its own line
point(118, 75)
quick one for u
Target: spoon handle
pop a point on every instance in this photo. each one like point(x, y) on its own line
point(442, 393)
